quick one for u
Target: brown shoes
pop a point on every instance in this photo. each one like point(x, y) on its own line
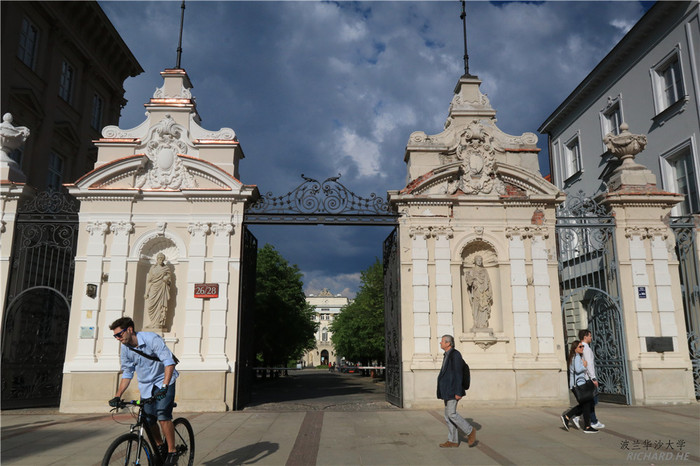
point(471, 438)
point(449, 444)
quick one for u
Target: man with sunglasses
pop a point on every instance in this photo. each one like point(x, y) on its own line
point(154, 363)
point(586, 338)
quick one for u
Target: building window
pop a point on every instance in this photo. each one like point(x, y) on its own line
point(324, 334)
point(55, 173)
point(65, 89)
point(28, 41)
point(667, 81)
point(681, 176)
point(97, 108)
point(611, 117)
point(572, 157)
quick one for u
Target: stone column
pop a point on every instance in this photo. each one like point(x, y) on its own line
point(649, 283)
point(116, 289)
point(443, 281)
point(421, 299)
point(194, 307)
point(216, 353)
point(90, 305)
point(542, 284)
point(518, 284)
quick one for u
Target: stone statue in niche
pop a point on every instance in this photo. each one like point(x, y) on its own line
point(480, 292)
point(158, 284)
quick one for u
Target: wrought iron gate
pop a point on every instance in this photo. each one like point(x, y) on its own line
point(245, 354)
point(589, 288)
point(39, 293)
point(392, 319)
point(684, 229)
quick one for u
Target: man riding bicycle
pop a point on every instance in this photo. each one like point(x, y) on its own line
point(155, 368)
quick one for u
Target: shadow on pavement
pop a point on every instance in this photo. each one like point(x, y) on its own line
point(246, 455)
point(317, 386)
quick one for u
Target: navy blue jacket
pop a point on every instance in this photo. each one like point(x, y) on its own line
point(449, 383)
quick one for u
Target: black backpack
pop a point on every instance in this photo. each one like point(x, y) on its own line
point(466, 377)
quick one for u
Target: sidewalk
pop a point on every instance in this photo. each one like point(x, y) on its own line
point(634, 435)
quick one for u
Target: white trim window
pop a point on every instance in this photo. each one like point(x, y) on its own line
point(680, 174)
point(97, 111)
point(611, 117)
point(572, 156)
point(324, 334)
point(65, 88)
point(28, 42)
point(54, 176)
point(667, 81)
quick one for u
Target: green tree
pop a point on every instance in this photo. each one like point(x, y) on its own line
point(284, 326)
point(358, 331)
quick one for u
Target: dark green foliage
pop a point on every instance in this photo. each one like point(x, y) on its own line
point(284, 328)
point(358, 331)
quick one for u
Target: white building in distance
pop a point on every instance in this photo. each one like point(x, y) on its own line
point(327, 309)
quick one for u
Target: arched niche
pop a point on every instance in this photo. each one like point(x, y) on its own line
point(469, 274)
point(147, 258)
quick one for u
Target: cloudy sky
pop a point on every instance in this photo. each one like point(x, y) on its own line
point(337, 87)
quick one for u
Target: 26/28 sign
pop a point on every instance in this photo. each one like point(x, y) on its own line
point(206, 290)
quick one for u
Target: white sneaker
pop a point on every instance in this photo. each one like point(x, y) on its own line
point(577, 422)
point(597, 425)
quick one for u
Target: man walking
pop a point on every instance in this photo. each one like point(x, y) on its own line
point(449, 389)
point(146, 353)
point(586, 337)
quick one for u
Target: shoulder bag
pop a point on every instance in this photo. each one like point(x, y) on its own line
point(584, 392)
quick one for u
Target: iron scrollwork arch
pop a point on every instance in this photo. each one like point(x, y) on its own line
point(314, 202)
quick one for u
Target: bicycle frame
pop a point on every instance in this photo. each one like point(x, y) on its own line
point(139, 428)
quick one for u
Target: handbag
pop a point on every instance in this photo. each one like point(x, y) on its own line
point(584, 392)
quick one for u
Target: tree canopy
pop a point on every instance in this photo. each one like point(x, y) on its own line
point(284, 326)
point(358, 331)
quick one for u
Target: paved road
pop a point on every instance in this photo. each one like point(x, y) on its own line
point(325, 431)
point(314, 390)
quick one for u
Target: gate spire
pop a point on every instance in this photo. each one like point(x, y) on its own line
point(179, 42)
point(463, 17)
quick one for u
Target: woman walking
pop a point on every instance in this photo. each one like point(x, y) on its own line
point(577, 378)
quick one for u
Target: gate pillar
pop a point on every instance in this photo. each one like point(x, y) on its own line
point(478, 260)
point(164, 200)
point(652, 306)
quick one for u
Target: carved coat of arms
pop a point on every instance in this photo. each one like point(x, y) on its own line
point(162, 168)
point(477, 155)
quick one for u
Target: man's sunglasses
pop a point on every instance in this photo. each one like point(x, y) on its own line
point(119, 334)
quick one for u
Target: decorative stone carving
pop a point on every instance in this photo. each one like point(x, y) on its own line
point(222, 228)
point(635, 231)
point(446, 231)
point(198, 229)
point(325, 292)
point(160, 227)
point(419, 231)
point(183, 94)
point(476, 154)
point(121, 228)
point(11, 138)
point(97, 228)
point(157, 297)
point(481, 295)
point(162, 168)
point(625, 146)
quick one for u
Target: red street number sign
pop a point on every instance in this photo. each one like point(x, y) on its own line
point(206, 290)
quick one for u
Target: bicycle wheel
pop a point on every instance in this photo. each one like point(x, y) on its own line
point(124, 451)
point(184, 441)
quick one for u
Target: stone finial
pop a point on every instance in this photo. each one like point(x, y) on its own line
point(11, 138)
point(625, 146)
point(630, 173)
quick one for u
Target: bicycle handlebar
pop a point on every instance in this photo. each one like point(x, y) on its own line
point(124, 403)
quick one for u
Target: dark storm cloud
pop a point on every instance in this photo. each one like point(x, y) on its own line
point(327, 88)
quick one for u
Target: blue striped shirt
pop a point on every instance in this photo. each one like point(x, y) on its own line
point(150, 373)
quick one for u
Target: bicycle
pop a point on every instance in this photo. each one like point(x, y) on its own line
point(135, 449)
